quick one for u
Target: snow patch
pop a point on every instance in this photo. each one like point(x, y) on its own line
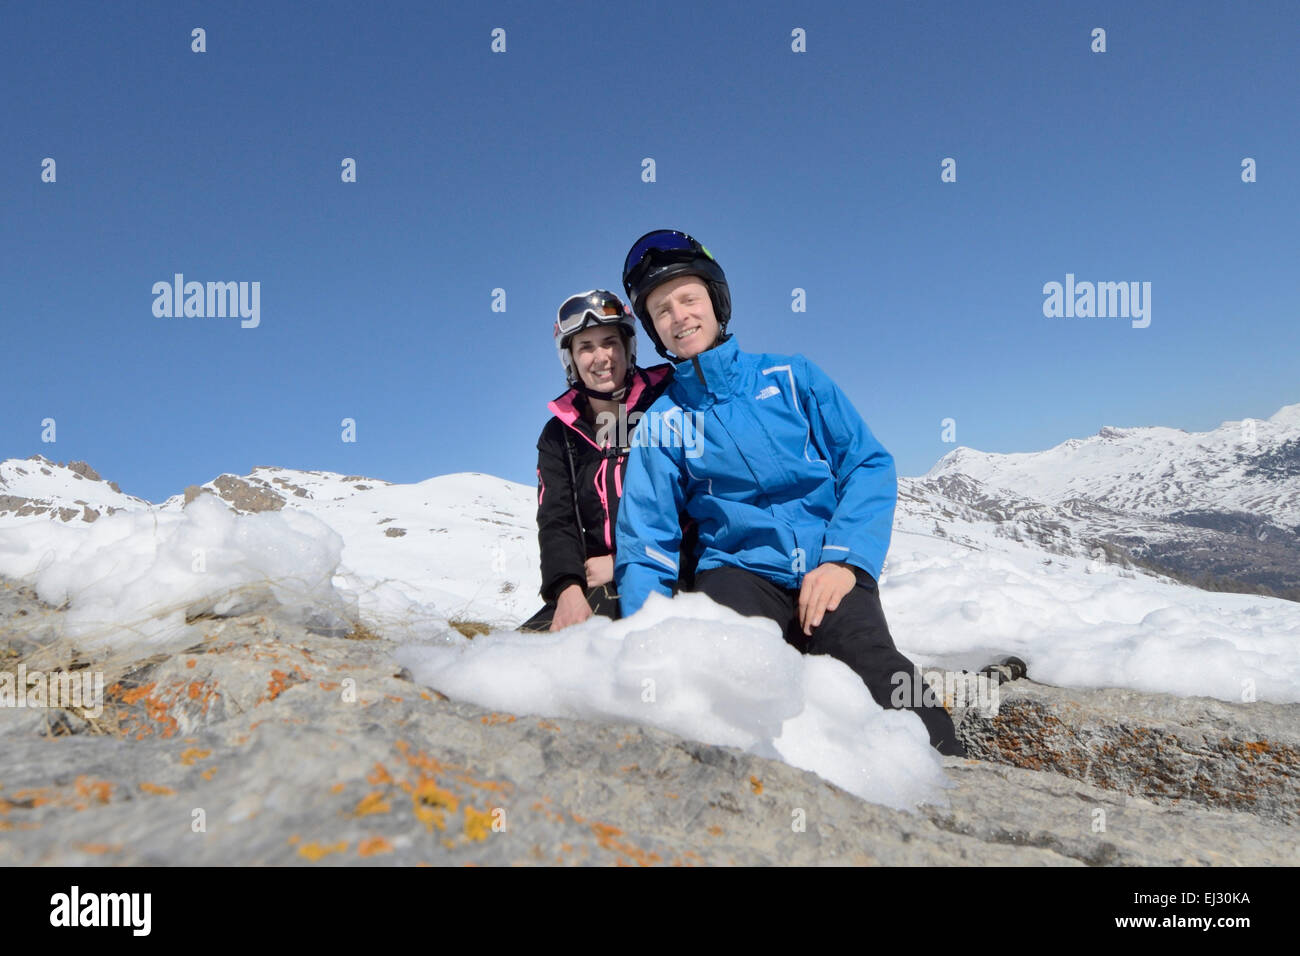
point(132, 578)
point(701, 671)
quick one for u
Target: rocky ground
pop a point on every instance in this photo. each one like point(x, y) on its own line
point(264, 743)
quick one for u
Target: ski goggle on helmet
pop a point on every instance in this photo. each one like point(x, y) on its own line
point(587, 309)
point(596, 307)
point(666, 254)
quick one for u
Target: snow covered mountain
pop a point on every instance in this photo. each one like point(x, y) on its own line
point(1218, 508)
point(38, 486)
point(460, 543)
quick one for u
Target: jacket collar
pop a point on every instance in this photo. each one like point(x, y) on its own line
point(715, 373)
point(570, 406)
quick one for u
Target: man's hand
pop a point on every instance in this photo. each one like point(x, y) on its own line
point(822, 590)
point(600, 570)
point(570, 608)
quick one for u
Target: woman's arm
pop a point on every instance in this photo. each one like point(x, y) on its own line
point(558, 533)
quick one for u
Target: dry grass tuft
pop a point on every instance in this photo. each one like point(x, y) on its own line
point(360, 632)
point(470, 629)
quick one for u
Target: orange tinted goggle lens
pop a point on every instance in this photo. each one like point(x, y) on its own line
point(573, 314)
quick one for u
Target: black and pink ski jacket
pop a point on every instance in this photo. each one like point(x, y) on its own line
point(579, 483)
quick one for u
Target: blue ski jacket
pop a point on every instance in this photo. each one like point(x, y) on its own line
point(771, 460)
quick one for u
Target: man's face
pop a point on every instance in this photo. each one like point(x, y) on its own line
point(682, 313)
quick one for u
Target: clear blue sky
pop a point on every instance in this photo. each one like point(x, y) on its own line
point(522, 170)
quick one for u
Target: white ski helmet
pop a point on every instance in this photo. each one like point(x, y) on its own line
point(586, 309)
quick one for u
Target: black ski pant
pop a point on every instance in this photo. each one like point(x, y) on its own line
point(854, 633)
point(601, 598)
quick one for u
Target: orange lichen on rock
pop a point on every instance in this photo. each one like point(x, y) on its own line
point(428, 801)
point(33, 798)
point(338, 788)
point(159, 704)
point(281, 680)
point(330, 685)
point(373, 802)
point(191, 754)
point(157, 789)
point(374, 846)
point(99, 790)
point(135, 695)
point(419, 759)
point(98, 849)
point(689, 858)
point(478, 824)
point(715, 830)
point(493, 719)
point(315, 851)
point(192, 662)
point(755, 784)
point(1255, 748)
point(606, 837)
point(541, 807)
point(496, 786)
point(277, 684)
point(209, 773)
point(157, 711)
point(547, 725)
point(431, 798)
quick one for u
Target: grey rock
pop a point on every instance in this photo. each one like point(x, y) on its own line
point(83, 470)
point(248, 495)
point(265, 743)
point(1171, 750)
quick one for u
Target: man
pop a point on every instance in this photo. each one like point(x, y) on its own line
point(785, 477)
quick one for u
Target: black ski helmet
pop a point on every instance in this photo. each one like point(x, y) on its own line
point(664, 254)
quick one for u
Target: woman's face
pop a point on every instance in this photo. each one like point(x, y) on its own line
point(599, 357)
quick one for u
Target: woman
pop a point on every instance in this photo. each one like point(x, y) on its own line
point(581, 457)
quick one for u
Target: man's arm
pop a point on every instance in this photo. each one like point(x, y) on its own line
point(866, 483)
point(649, 525)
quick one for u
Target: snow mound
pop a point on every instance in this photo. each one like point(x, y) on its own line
point(1083, 625)
point(134, 578)
point(701, 671)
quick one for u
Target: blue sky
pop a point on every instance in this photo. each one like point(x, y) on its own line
point(522, 171)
